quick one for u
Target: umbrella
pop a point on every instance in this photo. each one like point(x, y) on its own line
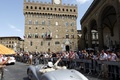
point(6, 51)
point(90, 49)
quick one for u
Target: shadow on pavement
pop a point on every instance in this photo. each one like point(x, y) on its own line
point(25, 78)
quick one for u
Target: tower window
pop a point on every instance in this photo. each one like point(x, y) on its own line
point(31, 7)
point(51, 8)
point(59, 9)
point(55, 9)
point(67, 10)
point(35, 7)
point(27, 7)
point(43, 8)
point(47, 8)
point(74, 10)
point(40, 8)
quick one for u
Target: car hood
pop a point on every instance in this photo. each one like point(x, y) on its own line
point(66, 74)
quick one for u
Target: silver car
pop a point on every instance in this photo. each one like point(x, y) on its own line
point(53, 72)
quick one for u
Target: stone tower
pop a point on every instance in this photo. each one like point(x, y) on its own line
point(50, 26)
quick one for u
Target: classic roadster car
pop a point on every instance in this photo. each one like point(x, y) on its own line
point(53, 72)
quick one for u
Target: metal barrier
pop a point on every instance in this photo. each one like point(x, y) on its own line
point(110, 68)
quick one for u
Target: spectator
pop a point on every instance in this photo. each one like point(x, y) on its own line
point(30, 58)
point(104, 67)
point(118, 56)
point(103, 55)
point(2, 64)
point(112, 56)
point(85, 54)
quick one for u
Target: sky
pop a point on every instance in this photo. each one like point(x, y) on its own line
point(12, 18)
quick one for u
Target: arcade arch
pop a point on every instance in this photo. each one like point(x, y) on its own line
point(104, 20)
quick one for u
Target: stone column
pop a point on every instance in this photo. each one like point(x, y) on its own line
point(83, 40)
point(100, 36)
point(118, 18)
point(89, 38)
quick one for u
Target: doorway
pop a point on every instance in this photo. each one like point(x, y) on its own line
point(67, 48)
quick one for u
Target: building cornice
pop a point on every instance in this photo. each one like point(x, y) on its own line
point(92, 6)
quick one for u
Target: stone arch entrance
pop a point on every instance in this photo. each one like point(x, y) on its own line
point(67, 47)
point(109, 21)
point(92, 34)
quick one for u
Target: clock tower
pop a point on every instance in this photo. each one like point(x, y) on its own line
point(57, 2)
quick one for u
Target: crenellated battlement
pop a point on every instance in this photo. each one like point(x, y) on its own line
point(33, 1)
point(74, 5)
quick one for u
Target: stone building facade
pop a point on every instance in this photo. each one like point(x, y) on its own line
point(14, 42)
point(50, 26)
point(103, 17)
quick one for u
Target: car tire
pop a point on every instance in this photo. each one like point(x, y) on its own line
point(29, 73)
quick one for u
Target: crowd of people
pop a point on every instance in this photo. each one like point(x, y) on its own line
point(35, 57)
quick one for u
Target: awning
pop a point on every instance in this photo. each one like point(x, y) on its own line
point(6, 51)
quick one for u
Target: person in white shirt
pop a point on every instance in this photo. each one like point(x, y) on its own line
point(103, 55)
point(30, 59)
point(112, 56)
point(104, 67)
point(2, 64)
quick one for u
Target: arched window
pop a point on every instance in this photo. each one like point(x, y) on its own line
point(43, 8)
point(43, 22)
point(31, 43)
point(48, 43)
point(40, 8)
point(29, 35)
point(41, 43)
point(30, 22)
point(31, 7)
point(27, 7)
point(66, 24)
point(36, 35)
point(72, 36)
point(59, 9)
point(36, 22)
point(67, 10)
point(35, 7)
point(74, 10)
point(67, 35)
point(55, 9)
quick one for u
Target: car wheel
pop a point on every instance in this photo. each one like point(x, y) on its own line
point(29, 73)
